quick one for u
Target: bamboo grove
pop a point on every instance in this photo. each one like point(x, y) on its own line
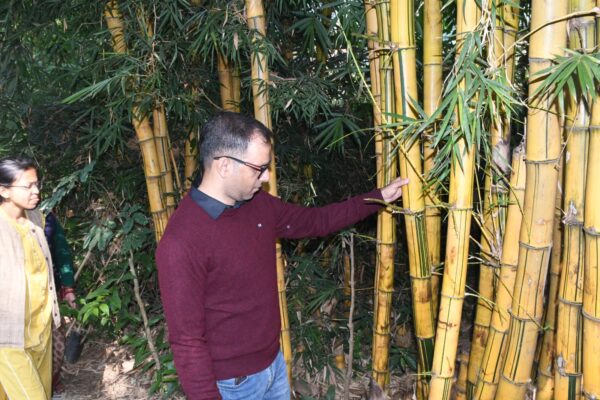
point(489, 107)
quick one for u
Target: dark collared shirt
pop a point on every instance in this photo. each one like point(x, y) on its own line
point(213, 207)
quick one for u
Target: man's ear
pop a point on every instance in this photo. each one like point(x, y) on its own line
point(222, 166)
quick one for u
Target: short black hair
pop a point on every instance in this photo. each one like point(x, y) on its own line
point(229, 133)
point(11, 167)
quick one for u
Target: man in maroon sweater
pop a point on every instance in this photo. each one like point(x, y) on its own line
point(216, 264)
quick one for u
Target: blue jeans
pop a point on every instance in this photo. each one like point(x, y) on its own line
point(268, 384)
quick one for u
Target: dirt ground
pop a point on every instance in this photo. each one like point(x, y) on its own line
point(104, 371)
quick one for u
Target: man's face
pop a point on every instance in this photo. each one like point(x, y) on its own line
point(246, 180)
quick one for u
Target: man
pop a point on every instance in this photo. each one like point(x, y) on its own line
point(216, 264)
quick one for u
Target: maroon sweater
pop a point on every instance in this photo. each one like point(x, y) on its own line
point(218, 282)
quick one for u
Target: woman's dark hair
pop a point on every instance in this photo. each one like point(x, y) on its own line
point(229, 133)
point(12, 167)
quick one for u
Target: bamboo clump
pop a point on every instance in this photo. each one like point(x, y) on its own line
point(489, 374)
point(569, 323)
point(543, 146)
point(155, 177)
point(501, 59)
point(460, 203)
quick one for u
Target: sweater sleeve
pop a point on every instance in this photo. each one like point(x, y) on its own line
point(295, 221)
point(182, 285)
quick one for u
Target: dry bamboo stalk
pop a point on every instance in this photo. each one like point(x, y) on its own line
point(413, 197)
point(387, 223)
point(489, 374)
point(460, 201)
point(542, 155)
point(260, 81)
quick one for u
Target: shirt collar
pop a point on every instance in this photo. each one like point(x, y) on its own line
point(213, 207)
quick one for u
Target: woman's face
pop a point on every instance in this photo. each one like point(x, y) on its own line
point(24, 192)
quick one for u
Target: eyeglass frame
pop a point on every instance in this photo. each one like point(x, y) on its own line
point(258, 168)
point(29, 187)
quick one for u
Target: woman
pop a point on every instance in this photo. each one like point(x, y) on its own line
point(28, 305)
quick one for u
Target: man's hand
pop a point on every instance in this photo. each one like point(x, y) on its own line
point(393, 191)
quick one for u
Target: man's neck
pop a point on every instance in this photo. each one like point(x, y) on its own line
point(212, 191)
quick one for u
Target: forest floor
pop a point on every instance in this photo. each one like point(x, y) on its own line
point(104, 371)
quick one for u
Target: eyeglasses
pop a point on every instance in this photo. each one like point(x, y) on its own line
point(29, 187)
point(258, 168)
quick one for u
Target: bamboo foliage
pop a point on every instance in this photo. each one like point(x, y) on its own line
point(387, 224)
point(489, 374)
point(493, 212)
point(406, 92)
point(155, 177)
point(543, 146)
point(460, 203)
point(260, 80)
point(569, 324)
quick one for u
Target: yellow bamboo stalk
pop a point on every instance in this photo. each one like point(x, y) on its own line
point(460, 388)
point(495, 193)
point(569, 323)
point(229, 84)
point(542, 155)
point(432, 93)
point(545, 372)
point(143, 130)
point(413, 197)
point(489, 374)
point(154, 176)
point(387, 223)
point(190, 158)
point(260, 81)
point(460, 202)
point(163, 151)
point(591, 288)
